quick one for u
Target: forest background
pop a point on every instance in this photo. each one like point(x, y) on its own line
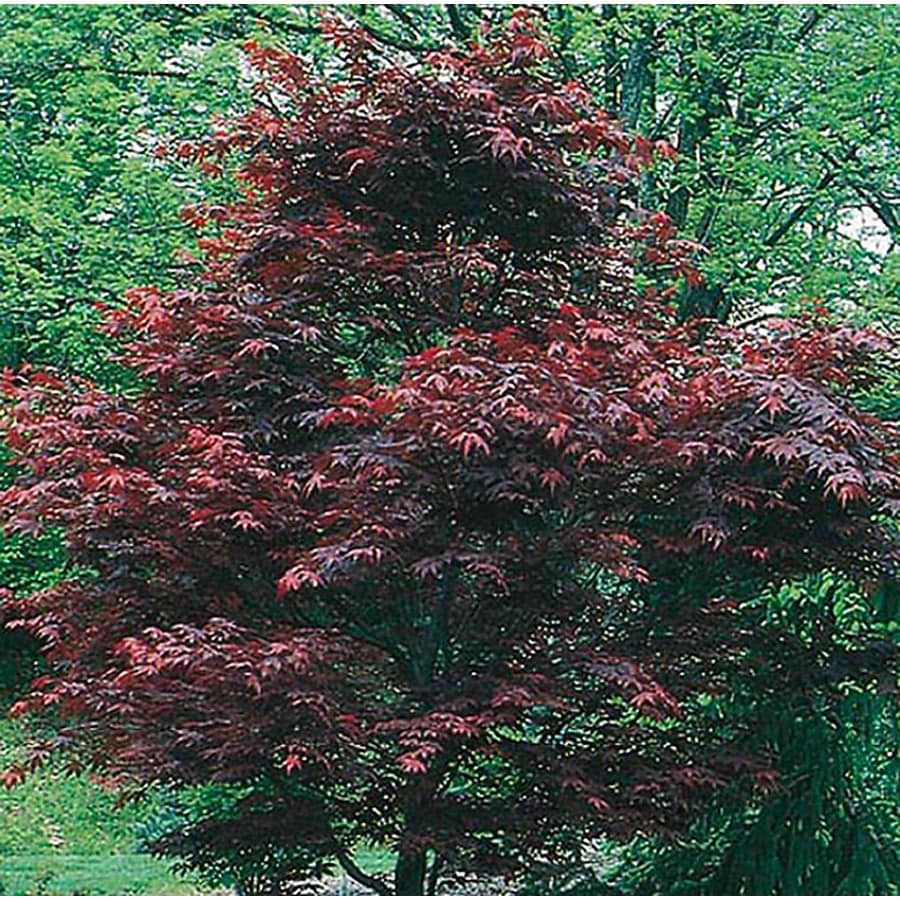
point(786, 124)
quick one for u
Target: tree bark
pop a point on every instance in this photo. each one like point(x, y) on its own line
point(409, 873)
point(609, 13)
point(637, 82)
point(410, 868)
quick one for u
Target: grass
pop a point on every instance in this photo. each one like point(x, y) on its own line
point(64, 834)
point(55, 811)
point(66, 874)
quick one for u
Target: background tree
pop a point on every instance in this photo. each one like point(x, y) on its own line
point(785, 120)
point(784, 116)
point(87, 208)
point(470, 608)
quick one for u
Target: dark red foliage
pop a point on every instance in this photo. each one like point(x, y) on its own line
point(425, 508)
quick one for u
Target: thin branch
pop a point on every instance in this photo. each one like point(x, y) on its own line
point(400, 14)
point(372, 882)
point(52, 68)
point(775, 118)
point(799, 211)
point(658, 129)
point(293, 27)
point(815, 17)
point(883, 207)
point(395, 42)
point(460, 30)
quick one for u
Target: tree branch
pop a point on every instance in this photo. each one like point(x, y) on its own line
point(815, 17)
point(401, 14)
point(460, 30)
point(799, 211)
point(775, 118)
point(372, 882)
point(881, 206)
point(395, 42)
point(293, 27)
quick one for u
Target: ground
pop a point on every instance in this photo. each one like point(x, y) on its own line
point(64, 834)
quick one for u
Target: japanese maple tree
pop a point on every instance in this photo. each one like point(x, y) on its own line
point(429, 523)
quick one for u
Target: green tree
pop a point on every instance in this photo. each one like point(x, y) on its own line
point(86, 207)
point(786, 120)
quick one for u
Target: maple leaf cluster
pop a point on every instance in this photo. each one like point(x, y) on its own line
point(404, 512)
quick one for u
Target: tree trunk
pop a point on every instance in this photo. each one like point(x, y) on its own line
point(608, 13)
point(409, 873)
point(638, 95)
point(411, 865)
point(637, 82)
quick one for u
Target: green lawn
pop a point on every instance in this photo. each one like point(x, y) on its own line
point(64, 834)
point(126, 873)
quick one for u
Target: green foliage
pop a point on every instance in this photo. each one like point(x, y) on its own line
point(56, 811)
point(62, 833)
point(831, 830)
point(833, 826)
point(191, 824)
point(787, 123)
point(87, 209)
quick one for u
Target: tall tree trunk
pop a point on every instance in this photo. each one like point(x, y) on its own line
point(410, 868)
point(638, 94)
point(637, 81)
point(409, 873)
point(609, 13)
point(418, 792)
point(679, 199)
